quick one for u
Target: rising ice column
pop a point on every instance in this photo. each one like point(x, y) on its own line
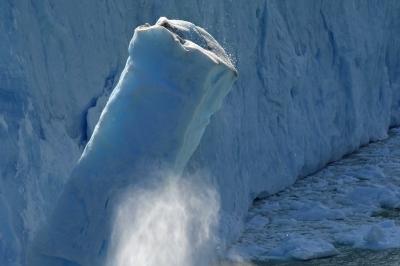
point(175, 78)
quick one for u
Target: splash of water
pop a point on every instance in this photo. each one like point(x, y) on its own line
point(168, 225)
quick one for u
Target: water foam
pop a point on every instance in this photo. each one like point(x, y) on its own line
point(168, 224)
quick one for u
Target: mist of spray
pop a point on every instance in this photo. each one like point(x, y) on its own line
point(168, 224)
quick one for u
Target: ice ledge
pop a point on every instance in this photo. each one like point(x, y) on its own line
point(190, 38)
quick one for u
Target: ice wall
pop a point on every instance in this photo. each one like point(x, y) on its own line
point(317, 79)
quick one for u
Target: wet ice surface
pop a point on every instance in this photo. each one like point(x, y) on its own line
point(349, 210)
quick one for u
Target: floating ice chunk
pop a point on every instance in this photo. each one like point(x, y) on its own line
point(369, 172)
point(377, 236)
point(257, 222)
point(243, 252)
point(301, 248)
point(316, 212)
point(373, 197)
point(374, 236)
point(283, 221)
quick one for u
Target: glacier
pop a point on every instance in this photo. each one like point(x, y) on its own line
point(317, 80)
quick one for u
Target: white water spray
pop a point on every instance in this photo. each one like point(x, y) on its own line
point(170, 224)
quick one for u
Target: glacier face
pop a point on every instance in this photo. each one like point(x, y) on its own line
point(317, 79)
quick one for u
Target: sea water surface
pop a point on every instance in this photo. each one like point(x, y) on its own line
point(348, 213)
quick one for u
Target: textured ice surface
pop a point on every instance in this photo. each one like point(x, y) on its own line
point(317, 79)
point(353, 202)
point(149, 128)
